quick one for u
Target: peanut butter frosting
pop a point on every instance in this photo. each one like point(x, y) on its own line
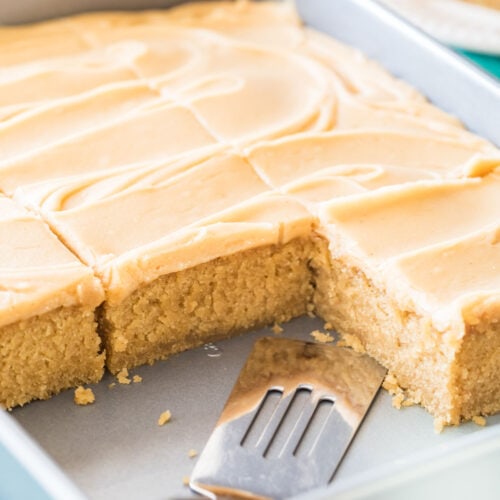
point(151, 142)
point(195, 213)
point(37, 272)
point(433, 245)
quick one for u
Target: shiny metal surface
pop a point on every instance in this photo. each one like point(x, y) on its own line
point(288, 421)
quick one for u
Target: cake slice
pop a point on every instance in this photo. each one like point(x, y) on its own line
point(185, 255)
point(412, 276)
point(411, 273)
point(48, 337)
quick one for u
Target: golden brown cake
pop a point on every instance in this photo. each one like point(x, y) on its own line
point(220, 167)
point(48, 338)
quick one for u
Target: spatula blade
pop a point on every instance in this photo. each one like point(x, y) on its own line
point(288, 421)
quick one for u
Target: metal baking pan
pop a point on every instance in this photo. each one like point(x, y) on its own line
point(115, 449)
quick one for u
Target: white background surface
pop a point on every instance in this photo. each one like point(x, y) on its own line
point(468, 26)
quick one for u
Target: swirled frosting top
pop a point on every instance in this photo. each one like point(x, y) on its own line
point(154, 141)
point(37, 273)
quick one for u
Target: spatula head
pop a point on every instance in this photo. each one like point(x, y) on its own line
point(288, 421)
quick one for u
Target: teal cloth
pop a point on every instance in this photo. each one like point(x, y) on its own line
point(16, 483)
point(489, 63)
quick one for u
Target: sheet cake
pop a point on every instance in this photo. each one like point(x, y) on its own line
point(218, 167)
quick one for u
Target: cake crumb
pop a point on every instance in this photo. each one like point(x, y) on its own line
point(398, 400)
point(277, 329)
point(321, 337)
point(164, 418)
point(136, 379)
point(353, 342)
point(407, 401)
point(112, 385)
point(185, 480)
point(438, 425)
point(192, 453)
point(328, 326)
point(390, 383)
point(479, 420)
point(83, 396)
point(402, 400)
point(122, 376)
point(400, 397)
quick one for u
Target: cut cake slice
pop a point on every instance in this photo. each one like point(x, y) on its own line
point(48, 337)
point(205, 250)
point(420, 264)
point(412, 269)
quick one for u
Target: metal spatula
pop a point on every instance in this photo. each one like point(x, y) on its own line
point(288, 421)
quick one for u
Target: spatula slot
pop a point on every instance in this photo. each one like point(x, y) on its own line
point(260, 422)
point(288, 421)
point(289, 425)
point(314, 428)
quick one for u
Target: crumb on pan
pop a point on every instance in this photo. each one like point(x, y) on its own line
point(400, 397)
point(351, 341)
point(165, 417)
point(321, 337)
point(192, 453)
point(185, 480)
point(122, 376)
point(479, 420)
point(112, 385)
point(397, 400)
point(136, 379)
point(83, 396)
point(277, 329)
point(328, 326)
point(438, 425)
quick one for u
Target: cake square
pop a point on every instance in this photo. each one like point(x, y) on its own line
point(421, 262)
point(194, 259)
point(48, 329)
